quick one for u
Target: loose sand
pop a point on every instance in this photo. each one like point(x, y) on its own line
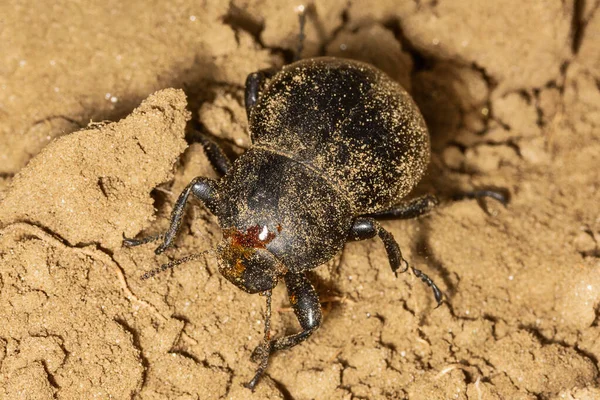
point(511, 93)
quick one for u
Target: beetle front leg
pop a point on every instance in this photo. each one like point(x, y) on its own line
point(217, 157)
point(305, 302)
point(200, 187)
point(366, 228)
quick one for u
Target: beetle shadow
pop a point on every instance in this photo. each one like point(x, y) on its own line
point(453, 97)
point(424, 253)
point(196, 75)
point(330, 295)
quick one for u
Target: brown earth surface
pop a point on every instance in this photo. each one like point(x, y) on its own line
point(511, 94)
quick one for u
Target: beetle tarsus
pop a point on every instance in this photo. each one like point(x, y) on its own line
point(502, 196)
point(437, 293)
point(127, 242)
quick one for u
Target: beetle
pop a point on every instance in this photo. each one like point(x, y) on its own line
point(336, 144)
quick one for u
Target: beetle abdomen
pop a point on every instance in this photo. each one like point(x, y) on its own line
point(350, 121)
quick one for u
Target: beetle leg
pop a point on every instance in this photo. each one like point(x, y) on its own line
point(424, 204)
point(366, 228)
point(200, 187)
point(136, 242)
point(301, 10)
point(255, 82)
point(500, 195)
point(217, 157)
point(437, 293)
point(305, 302)
point(412, 209)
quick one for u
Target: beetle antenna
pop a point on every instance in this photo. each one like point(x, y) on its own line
point(263, 350)
point(301, 10)
point(173, 263)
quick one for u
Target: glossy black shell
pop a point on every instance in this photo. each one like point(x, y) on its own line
point(349, 121)
point(332, 139)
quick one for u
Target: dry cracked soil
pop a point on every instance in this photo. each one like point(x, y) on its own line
point(94, 101)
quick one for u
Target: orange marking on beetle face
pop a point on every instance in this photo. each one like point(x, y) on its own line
point(293, 299)
point(242, 246)
point(238, 269)
point(253, 238)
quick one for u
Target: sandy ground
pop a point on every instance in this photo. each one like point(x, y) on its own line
point(511, 93)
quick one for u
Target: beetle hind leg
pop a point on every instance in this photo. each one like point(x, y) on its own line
point(424, 204)
point(255, 83)
point(305, 302)
point(411, 209)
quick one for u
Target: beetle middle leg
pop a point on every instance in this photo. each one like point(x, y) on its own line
point(305, 302)
point(255, 82)
point(366, 228)
point(204, 189)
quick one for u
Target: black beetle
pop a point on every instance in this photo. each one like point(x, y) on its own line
point(335, 143)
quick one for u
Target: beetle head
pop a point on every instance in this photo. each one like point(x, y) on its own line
point(247, 263)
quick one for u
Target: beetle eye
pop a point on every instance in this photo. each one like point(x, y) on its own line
point(252, 270)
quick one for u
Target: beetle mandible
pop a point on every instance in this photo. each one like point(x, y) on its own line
point(335, 144)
